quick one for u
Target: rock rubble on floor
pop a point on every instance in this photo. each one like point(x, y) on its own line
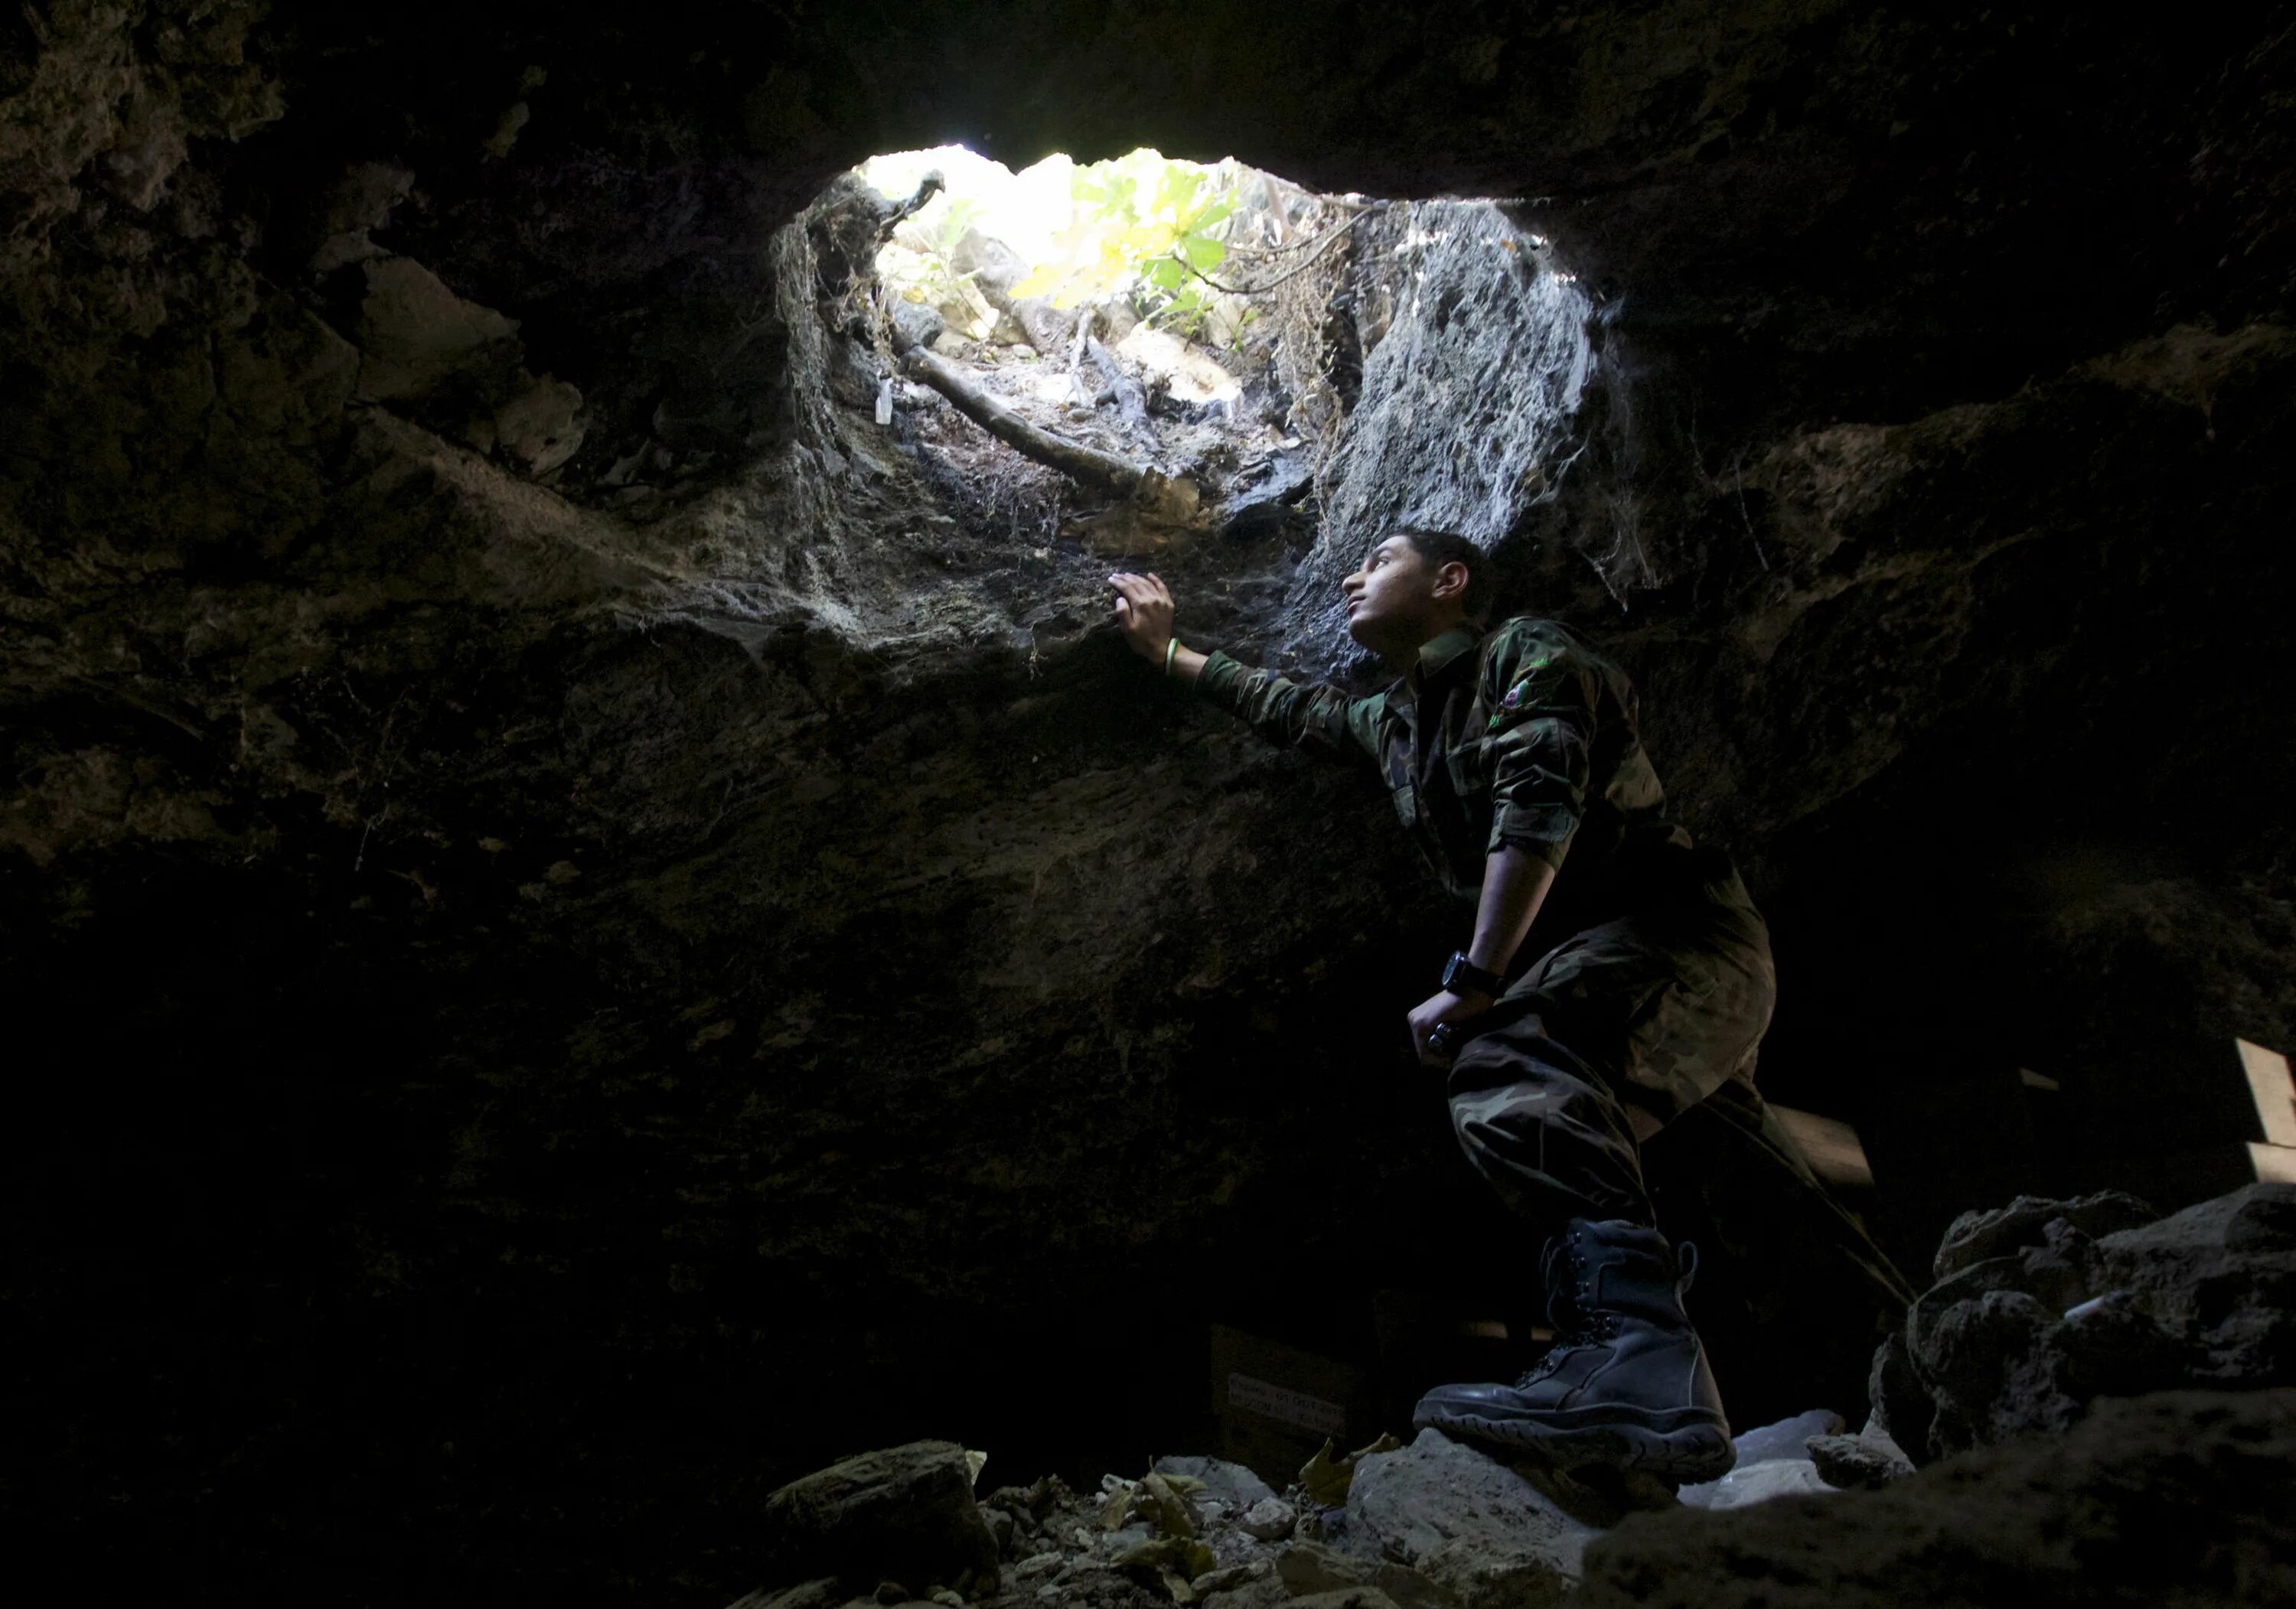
point(2069, 1494)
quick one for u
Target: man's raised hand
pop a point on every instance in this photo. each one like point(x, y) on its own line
point(1144, 613)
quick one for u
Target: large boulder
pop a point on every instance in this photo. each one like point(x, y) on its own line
point(993, 268)
point(2045, 1306)
point(1465, 1522)
point(2171, 1501)
point(904, 1515)
point(1986, 1233)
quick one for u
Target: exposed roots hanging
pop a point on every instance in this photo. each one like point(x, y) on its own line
point(986, 485)
point(1467, 394)
point(1297, 312)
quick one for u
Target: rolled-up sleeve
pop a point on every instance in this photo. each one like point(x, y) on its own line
point(1316, 717)
point(1541, 731)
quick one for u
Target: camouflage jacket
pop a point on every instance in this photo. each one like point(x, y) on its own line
point(1525, 737)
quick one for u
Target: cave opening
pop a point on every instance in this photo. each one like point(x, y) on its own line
point(1146, 357)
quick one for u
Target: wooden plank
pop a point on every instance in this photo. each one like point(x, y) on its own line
point(1832, 1146)
point(2273, 1092)
point(2274, 1165)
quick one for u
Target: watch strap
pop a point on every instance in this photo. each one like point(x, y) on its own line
point(1460, 970)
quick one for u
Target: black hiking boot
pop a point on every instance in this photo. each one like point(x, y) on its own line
point(1626, 1382)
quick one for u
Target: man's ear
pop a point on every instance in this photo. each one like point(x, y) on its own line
point(1451, 580)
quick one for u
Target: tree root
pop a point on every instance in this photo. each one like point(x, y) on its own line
point(1090, 466)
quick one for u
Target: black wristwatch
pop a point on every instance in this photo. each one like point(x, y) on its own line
point(1460, 974)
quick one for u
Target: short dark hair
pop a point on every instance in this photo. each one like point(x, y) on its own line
point(1439, 548)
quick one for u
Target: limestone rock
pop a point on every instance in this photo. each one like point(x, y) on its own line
point(1411, 1590)
point(1786, 1439)
point(1269, 1520)
point(417, 334)
point(2035, 1318)
point(1346, 1597)
point(1772, 1461)
point(1314, 1574)
point(1465, 1522)
point(2179, 1499)
point(1231, 1484)
point(1306, 1568)
point(806, 1595)
point(918, 324)
point(904, 1513)
point(540, 429)
point(2000, 1231)
point(1757, 1484)
point(1264, 1590)
point(1266, 1593)
point(1900, 1402)
point(1230, 1578)
point(360, 202)
point(1859, 1461)
point(2221, 1277)
point(1270, 506)
point(1001, 1528)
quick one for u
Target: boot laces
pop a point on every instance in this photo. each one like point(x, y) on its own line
point(1571, 1308)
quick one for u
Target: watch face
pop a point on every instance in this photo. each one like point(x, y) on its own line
point(1460, 970)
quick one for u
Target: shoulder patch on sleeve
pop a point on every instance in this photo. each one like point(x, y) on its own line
point(1516, 694)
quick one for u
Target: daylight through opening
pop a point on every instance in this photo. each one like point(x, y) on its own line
point(1122, 356)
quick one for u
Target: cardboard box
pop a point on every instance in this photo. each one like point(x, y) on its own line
point(1273, 1404)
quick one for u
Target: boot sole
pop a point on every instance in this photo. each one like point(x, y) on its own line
point(1687, 1454)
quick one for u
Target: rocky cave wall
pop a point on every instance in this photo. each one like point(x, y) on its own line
point(540, 1010)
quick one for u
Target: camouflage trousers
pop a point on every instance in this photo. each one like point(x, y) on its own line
point(1664, 1011)
point(1657, 1009)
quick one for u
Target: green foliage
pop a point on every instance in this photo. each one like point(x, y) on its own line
point(1140, 223)
point(926, 271)
point(955, 221)
point(1138, 226)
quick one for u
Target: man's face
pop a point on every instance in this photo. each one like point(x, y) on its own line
point(1390, 600)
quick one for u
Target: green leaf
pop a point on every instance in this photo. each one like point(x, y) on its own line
point(1326, 1478)
point(1164, 274)
point(1203, 253)
point(1171, 1513)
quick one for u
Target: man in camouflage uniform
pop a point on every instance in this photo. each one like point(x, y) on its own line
point(1515, 764)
